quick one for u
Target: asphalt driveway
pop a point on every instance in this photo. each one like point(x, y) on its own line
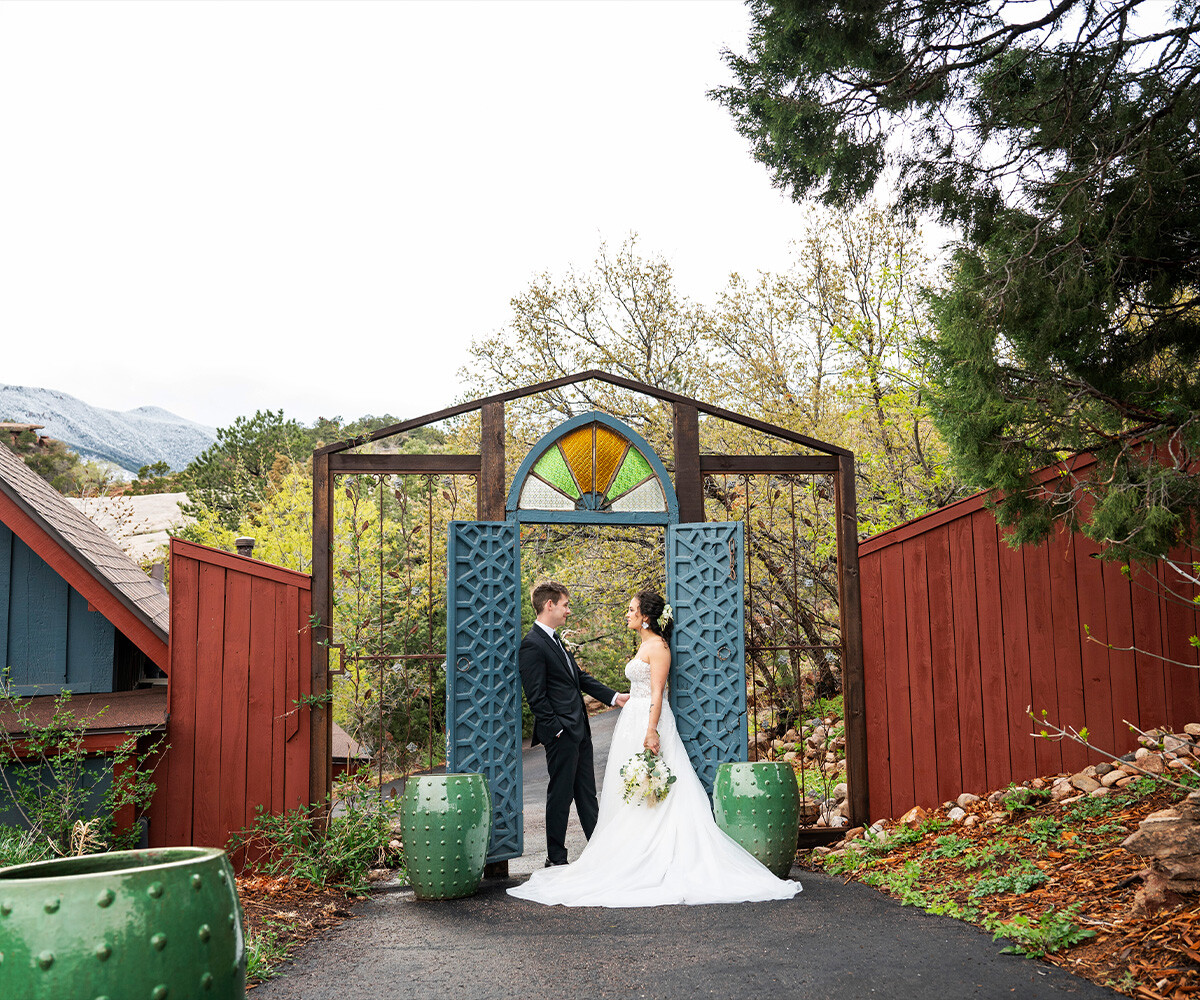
point(832, 940)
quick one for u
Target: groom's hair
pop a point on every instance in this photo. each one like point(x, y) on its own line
point(547, 590)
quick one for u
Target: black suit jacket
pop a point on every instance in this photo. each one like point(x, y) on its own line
point(554, 687)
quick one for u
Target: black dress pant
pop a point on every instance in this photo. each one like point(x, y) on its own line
point(572, 779)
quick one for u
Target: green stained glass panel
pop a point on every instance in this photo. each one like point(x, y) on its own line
point(633, 470)
point(552, 467)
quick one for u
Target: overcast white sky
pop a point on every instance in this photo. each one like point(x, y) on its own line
point(221, 207)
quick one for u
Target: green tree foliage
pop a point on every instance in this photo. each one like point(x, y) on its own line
point(61, 467)
point(1061, 139)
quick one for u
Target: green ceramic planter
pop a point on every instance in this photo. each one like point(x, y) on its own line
point(153, 924)
point(446, 822)
point(758, 805)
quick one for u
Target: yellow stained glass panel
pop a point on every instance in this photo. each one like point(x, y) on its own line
point(577, 447)
point(610, 447)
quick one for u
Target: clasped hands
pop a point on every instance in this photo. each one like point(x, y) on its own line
point(651, 742)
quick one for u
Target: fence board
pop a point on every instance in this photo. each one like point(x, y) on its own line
point(260, 710)
point(895, 644)
point(941, 656)
point(1180, 619)
point(1093, 633)
point(920, 670)
point(296, 762)
point(210, 653)
point(1146, 601)
point(1068, 657)
point(176, 819)
point(991, 649)
point(880, 784)
point(1016, 657)
point(966, 656)
point(1118, 613)
point(1043, 674)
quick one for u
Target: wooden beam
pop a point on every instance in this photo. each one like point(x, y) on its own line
point(491, 483)
point(689, 482)
point(768, 465)
point(850, 615)
point(401, 465)
point(320, 718)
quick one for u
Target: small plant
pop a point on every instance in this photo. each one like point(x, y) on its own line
point(844, 861)
point(62, 797)
point(1052, 931)
point(950, 846)
point(289, 845)
point(264, 953)
point(1044, 830)
point(21, 847)
point(1016, 882)
point(984, 857)
point(1018, 798)
point(943, 904)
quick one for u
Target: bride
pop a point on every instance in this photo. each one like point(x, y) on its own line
point(672, 852)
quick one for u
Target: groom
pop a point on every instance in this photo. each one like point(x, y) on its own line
point(554, 686)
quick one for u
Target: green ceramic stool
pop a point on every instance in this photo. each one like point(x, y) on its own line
point(758, 805)
point(152, 924)
point(446, 822)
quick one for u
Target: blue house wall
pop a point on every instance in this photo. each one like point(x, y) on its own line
point(48, 637)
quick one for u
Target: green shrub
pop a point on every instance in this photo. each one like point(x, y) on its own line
point(21, 847)
point(290, 845)
point(1016, 882)
point(1053, 930)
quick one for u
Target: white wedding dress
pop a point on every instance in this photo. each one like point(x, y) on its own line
point(641, 855)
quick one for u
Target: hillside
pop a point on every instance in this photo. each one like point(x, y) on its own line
point(130, 439)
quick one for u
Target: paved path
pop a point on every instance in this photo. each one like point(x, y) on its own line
point(832, 940)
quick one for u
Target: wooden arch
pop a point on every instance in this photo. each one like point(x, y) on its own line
point(690, 468)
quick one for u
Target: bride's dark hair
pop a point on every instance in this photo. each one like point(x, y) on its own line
point(651, 605)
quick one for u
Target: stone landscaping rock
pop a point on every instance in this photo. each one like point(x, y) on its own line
point(840, 791)
point(791, 755)
point(956, 815)
point(1173, 744)
point(1103, 769)
point(1062, 789)
point(1084, 782)
point(1171, 839)
point(1126, 780)
point(971, 820)
point(1099, 793)
point(1152, 764)
point(914, 816)
point(1192, 729)
point(966, 799)
point(1112, 777)
point(854, 834)
point(1140, 754)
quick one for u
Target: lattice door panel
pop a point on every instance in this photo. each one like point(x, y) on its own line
point(483, 689)
point(708, 674)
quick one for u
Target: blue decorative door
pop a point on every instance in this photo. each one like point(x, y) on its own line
point(708, 673)
point(483, 686)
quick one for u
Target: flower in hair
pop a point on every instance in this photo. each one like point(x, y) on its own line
point(667, 615)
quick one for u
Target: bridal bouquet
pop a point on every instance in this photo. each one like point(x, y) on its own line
point(647, 778)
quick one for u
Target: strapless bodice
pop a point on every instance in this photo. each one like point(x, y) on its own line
point(638, 674)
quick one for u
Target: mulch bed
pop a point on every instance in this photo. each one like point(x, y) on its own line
point(1154, 957)
point(295, 911)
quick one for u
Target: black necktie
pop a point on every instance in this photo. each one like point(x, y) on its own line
point(563, 646)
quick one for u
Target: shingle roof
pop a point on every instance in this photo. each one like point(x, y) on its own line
point(144, 710)
point(98, 554)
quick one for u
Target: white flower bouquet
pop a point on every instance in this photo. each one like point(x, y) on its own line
point(647, 778)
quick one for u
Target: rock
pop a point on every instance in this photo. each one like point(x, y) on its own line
point(1189, 808)
point(914, 816)
point(821, 851)
point(1173, 744)
point(1154, 895)
point(966, 799)
point(1084, 782)
point(1112, 777)
point(956, 815)
point(1152, 764)
point(996, 797)
point(1103, 769)
point(831, 769)
point(790, 756)
point(1128, 779)
point(1179, 764)
point(830, 758)
point(1073, 798)
point(776, 744)
point(791, 736)
point(1140, 754)
point(1130, 768)
point(840, 791)
point(971, 820)
point(1192, 729)
point(1183, 866)
point(1037, 783)
point(1163, 834)
point(1090, 771)
point(1099, 793)
point(1061, 790)
point(854, 834)
point(810, 809)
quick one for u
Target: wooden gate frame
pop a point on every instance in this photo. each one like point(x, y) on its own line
point(690, 468)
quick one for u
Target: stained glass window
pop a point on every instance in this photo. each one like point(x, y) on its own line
point(592, 467)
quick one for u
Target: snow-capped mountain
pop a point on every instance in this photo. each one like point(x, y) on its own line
point(130, 439)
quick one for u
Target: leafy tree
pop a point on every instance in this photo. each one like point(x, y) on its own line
point(61, 467)
point(1061, 138)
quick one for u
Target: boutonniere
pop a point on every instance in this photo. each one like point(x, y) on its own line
point(565, 634)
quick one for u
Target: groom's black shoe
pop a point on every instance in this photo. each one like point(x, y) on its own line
point(554, 864)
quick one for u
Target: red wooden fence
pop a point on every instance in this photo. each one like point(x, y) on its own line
point(239, 659)
point(962, 632)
